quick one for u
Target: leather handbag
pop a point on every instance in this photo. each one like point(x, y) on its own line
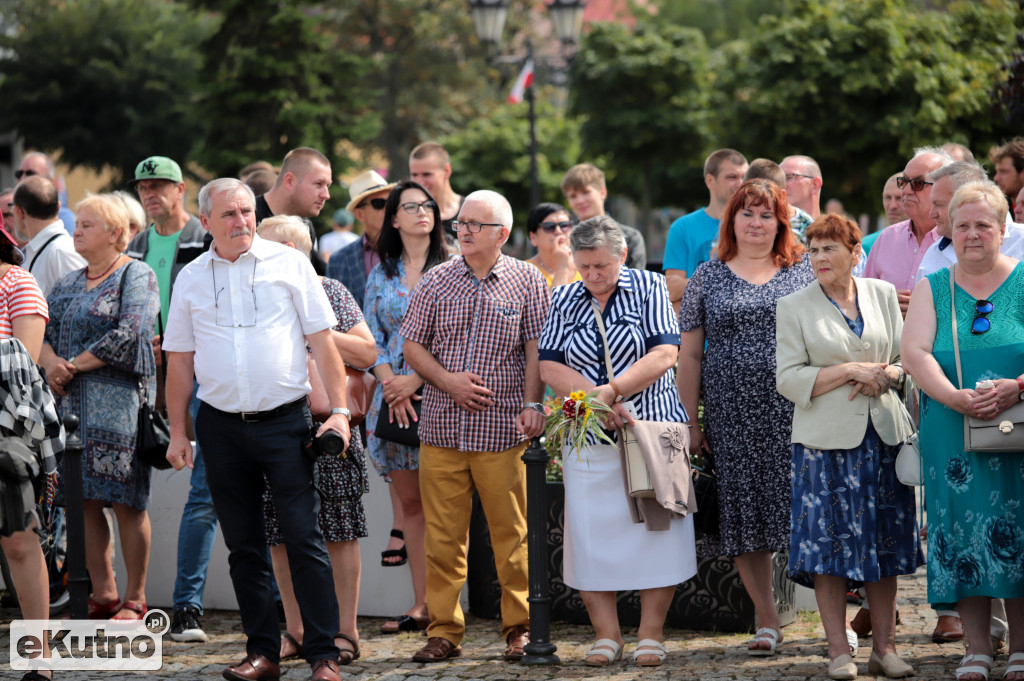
point(360, 387)
point(991, 436)
point(909, 466)
point(153, 435)
point(705, 491)
point(384, 429)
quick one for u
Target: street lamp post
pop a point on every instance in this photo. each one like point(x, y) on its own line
point(489, 18)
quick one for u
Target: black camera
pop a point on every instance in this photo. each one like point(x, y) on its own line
point(330, 443)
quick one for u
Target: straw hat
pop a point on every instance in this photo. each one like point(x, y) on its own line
point(366, 184)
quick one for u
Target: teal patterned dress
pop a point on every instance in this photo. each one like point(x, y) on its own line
point(975, 519)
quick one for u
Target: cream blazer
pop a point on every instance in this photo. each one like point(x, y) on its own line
point(811, 334)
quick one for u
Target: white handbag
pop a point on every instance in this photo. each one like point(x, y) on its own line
point(909, 466)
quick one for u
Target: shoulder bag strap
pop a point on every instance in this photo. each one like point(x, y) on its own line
point(956, 340)
point(604, 337)
point(40, 251)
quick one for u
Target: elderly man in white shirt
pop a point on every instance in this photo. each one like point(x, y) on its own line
point(946, 181)
point(241, 316)
point(50, 252)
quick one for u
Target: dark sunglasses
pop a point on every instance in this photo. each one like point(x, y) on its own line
point(917, 184)
point(24, 173)
point(378, 204)
point(981, 324)
point(564, 225)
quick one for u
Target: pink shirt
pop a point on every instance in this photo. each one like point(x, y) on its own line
point(370, 256)
point(896, 255)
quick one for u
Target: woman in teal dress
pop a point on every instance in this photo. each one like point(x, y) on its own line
point(975, 519)
point(411, 241)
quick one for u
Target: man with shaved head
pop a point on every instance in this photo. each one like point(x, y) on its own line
point(36, 163)
point(301, 189)
point(803, 183)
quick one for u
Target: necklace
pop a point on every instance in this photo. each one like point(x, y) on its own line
point(105, 272)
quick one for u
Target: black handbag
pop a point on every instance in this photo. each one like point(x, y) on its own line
point(392, 432)
point(153, 437)
point(705, 488)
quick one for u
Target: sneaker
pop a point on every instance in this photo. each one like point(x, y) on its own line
point(185, 626)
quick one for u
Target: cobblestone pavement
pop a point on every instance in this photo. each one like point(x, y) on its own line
point(706, 656)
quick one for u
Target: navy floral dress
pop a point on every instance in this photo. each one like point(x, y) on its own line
point(106, 400)
point(341, 481)
point(746, 421)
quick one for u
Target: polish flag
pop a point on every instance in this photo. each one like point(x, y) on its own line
point(524, 81)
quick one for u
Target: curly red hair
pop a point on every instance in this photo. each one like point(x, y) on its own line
point(787, 250)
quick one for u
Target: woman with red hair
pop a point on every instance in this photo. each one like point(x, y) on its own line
point(729, 304)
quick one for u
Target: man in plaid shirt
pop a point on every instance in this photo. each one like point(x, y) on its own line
point(471, 332)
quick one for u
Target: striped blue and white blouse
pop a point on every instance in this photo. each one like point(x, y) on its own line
point(638, 317)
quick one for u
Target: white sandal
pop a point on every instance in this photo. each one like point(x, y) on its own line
point(851, 639)
point(1015, 658)
point(764, 634)
point(605, 647)
point(652, 648)
point(967, 668)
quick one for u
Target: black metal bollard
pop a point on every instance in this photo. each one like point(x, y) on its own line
point(539, 650)
point(74, 516)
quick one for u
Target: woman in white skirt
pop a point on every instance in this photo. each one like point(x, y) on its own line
point(605, 551)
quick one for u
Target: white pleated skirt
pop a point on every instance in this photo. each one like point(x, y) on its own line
point(603, 550)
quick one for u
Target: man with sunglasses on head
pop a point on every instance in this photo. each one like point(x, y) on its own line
point(897, 253)
point(351, 265)
point(37, 163)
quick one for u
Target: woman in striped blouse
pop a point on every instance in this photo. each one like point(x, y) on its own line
point(604, 550)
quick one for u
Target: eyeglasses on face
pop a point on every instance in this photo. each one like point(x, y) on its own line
point(981, 323)
point(917, 183)
point(24, 173)
point(377, 204)
point(792, 176)
point(472, 227)
point(412, 207)
point(550, 227)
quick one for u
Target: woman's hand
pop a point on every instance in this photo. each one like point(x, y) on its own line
point(59, 373)
point(868, 378)
point(398, 388)
point(698, 443)
point(402, 412)
point(617, 418)
point(988, 404)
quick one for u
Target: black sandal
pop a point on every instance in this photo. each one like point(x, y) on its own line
point(395, 553)
point(347, 656)
point(296, 653)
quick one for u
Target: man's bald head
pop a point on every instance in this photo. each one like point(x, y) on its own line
point(37, 197)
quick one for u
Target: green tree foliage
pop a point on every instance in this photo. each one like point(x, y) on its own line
point(107, 81)
point(493, 153)
point(274, 79)
point(645, 100)
point(719, 20)
point(858, 85)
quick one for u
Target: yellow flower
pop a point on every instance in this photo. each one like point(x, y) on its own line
point(578, 395)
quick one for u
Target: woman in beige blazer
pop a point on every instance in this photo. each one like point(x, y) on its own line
point(853, 522)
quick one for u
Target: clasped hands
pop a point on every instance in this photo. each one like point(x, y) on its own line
point(987, 404)
point(868, 378)
point(59, 374)
point(399, 392)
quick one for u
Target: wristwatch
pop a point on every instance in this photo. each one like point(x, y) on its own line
point(343, 411)
point(1020, 387)
point(536, 406)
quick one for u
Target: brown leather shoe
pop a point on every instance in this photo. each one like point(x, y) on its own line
point(516, 640)
point(253, 668)
point(947, 629)
point(437, 650)
point(325, 669)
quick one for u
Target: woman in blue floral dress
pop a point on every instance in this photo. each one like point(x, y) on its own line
point(98, 357)
point(975, 520)
point(411, 241)
point(853, 522)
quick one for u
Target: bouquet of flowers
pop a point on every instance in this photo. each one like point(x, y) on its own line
point(579, 417)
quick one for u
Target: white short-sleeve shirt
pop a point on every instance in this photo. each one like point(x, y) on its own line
point(246, 321)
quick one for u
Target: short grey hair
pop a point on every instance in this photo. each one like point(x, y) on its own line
point(222, 185)
point(136, 212)
point(960, 173)
point(986, 192)
point(944, 156)
point(501, 210)
point(285, 228)
point(598, 232)
point(809, 164)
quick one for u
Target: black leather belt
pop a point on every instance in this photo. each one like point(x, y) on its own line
point(254, 416)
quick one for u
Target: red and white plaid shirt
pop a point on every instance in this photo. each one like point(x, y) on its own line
point(483, 327)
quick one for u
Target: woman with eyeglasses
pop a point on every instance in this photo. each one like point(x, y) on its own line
point(975, 535)
point(548, 225)
point(411, 241)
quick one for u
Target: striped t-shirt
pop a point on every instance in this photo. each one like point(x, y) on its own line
point(19, 295)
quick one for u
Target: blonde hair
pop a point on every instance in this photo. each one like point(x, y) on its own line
point(986, 192)
point(285, 228)
point(112, 211)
